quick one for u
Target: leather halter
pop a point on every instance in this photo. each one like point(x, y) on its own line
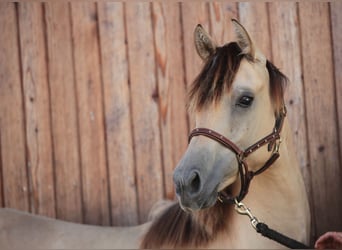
point(273, 140)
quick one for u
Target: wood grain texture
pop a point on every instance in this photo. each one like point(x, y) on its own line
point(254, 17)
point(336, 26)
point(63, 112)
point(2, 204)
point(221, 14)
point(12, 141)
point(286, 56)
point(285, 35)
point(145, 109)
point(106, 94)
point(192, 14)
point(37, 105)
point(171, 87)
point(321, 115)
point(90, 113)
point(119, 136)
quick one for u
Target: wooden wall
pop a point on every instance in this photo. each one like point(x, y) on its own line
point(92, 101)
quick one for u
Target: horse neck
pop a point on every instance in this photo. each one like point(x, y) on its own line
point(276, 197)
point(282, 181)
point(284, 175)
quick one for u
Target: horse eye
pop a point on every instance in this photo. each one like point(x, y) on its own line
point(245, 101)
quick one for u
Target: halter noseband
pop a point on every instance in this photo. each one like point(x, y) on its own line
point(273, 140)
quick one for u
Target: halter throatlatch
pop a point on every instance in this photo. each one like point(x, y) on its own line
point(273, 140)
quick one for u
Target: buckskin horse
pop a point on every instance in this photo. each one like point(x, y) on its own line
point(240, 150)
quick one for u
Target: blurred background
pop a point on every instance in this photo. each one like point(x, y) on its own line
point(93, 115)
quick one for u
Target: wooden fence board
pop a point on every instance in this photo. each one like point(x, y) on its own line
point(171, 88)
point(336, 25)
point(144, 98)
point(13, 154)
point(36, 94)
point(283, 23)
point(320, 109)
point(119, 136)
point(221, 14)
point(286, 56)
point(2, 204)
point(90, 113)
point(63, 112)
point(254, 17)
point(191, 16)
point(112, 148)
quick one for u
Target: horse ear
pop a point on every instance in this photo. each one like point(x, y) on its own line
point(244, 40)
point(205, 45)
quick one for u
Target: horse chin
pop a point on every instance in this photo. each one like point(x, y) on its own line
point(194, 207)
point(199, 204)
point(226, 193)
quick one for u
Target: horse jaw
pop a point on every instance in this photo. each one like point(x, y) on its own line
point(226, 183)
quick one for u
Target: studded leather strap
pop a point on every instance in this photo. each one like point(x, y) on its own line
point(245, 175)
point(217, 137)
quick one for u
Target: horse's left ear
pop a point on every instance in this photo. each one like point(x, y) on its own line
point(246, 44)
point(205, 45)
point(244, 40)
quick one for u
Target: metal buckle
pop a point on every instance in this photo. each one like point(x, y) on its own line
point(241, 208)
point(284, 110)
point(240, 157)
point(277, 146)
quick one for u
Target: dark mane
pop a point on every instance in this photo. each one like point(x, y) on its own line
point(218, 73)
point(175, 228)
point(278, 82)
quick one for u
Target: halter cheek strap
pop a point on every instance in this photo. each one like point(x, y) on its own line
point(273, 140)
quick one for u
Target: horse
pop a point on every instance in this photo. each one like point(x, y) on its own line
point(238, 103)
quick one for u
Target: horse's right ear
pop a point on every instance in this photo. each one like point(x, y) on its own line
point(205, 45)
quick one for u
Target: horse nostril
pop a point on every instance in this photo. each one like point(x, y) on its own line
point(179, 182)
point(187, 187)
point(195, 183)
point(178, 188)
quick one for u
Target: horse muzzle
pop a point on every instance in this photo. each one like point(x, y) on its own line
point(200, 174)
point(192, 192)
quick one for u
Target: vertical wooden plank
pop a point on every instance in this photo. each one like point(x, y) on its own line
point(336, 25)
point(286, 56)
point(192, 14)
point(254, 17)
point(15, 184)
point(90, 113)
point(144, 98)
point(221, 14)
point(119, 137)
point(2, 204)
point(171, 87)
point(321, 115)
point(63, 112)
point(36, 94)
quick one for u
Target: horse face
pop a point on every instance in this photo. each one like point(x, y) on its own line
point(243, 113)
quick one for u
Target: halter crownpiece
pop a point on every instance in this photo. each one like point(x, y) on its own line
point(273, 140)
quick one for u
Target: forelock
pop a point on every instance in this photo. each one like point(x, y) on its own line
point(216, 76)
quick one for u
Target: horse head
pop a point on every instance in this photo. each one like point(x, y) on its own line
point(237, 95)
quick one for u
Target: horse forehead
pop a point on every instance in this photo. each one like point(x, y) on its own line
point(251, 75)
